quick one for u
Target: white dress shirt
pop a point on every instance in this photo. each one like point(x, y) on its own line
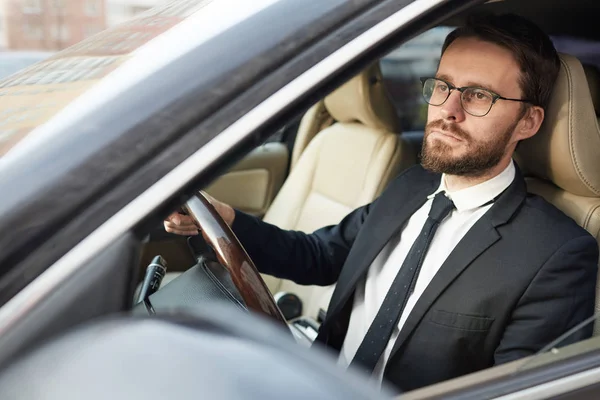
point(471, 204)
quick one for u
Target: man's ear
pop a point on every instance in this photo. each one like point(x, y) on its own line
point(530, 123)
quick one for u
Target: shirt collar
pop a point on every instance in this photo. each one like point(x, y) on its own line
point(480, 194)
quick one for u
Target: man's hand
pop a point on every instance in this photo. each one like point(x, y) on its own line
point(181, 224)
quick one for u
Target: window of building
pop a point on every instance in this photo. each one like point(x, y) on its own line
point(92, 7)
point(32, 6)
point(61, 32)
point(58, 7)
point(33, 31)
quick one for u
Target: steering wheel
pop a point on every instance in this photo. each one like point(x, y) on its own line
point(231, 255)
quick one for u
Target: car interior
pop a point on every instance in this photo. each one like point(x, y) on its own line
point(350, 145)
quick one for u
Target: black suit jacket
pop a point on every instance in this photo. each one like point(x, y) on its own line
point(524, 274)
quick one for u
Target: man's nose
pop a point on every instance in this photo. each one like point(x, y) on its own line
point(452, 109)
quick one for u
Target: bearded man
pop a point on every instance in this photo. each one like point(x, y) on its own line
point(454, 268)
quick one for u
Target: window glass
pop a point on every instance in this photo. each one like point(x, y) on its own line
point(402, 69)
point(587, 51)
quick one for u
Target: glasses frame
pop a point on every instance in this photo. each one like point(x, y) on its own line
point(451, 87)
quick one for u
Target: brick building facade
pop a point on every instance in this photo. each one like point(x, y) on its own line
point(51, 24)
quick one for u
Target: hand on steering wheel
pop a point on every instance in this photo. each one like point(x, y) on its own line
point(182, 224)
point(230, 253)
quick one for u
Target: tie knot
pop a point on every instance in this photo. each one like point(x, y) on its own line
point(441, 207)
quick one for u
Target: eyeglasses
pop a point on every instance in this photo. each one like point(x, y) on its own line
point(474, 100)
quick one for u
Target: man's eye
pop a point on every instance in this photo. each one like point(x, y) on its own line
point(478, 95)
point(442, 88)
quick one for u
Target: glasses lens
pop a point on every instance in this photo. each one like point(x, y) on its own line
point(477, 102)
point(435, 92)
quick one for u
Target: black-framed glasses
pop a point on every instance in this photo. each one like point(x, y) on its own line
point(474, 100)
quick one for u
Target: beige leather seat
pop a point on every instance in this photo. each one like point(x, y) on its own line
point(345, 166)
point(562, 161)
point(313, 121)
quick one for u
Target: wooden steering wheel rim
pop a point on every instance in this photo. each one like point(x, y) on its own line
point(231, 254)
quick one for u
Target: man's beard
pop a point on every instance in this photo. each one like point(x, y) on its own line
point(478, 160)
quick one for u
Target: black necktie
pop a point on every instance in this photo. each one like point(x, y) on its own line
point(373, 345)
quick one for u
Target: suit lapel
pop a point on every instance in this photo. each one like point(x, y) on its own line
point(386, 219)
point(479, 238)
point(475, 242)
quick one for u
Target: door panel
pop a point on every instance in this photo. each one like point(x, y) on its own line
point(252, 184)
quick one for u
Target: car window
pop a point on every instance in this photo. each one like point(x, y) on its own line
point(401, 70)
point(587, 51)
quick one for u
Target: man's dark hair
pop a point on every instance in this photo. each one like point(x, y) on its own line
point(531, 47)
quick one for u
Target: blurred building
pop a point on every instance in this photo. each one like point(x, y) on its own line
point(51, 24)
point(119, 11)
point(3, 21)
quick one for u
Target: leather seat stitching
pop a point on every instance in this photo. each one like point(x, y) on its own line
point(571, 134)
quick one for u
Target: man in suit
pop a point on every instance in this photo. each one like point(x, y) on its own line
point(454, 268)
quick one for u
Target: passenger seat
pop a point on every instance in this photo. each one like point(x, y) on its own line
point(562, 161)
point(345, 166)
point(314, 121)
